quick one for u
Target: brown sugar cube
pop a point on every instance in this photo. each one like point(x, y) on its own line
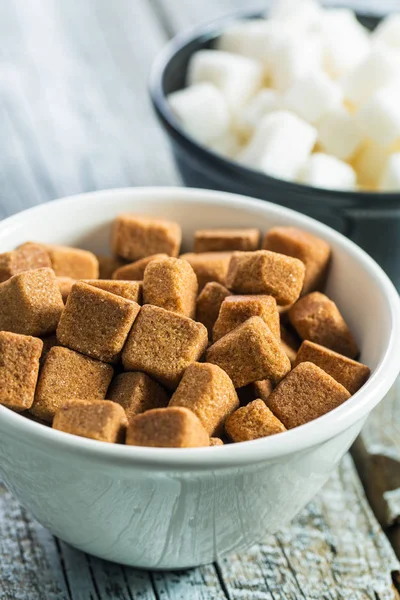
point(305, 394)
point(316, 318)
point(19, 368)
point(218, 240)
point(311, 250)
point(208, 304)
point(135, 271)
point(252, 422)
point(99, 420)
point(173, 427)
point(350, 373)
point(73, 262)
point(48, 343)
point(25, 258)
point(67, 375)
point(163, 344)
point(136, 392)
point(108, 265)
point(134, 236)
point(262, 389)
point(249, 353)
point(209, 266)
point(95, 322)
point(207, 391)
point(130, 290)
point(265, 272)
point(65, 286)
point(237, 309)
point(172, 284)
point(215, 441)
point(30, 303)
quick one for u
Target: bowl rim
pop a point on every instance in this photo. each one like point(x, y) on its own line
point(309, 435)
point(223, 164)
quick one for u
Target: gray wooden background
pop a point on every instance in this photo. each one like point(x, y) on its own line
point(75, 116)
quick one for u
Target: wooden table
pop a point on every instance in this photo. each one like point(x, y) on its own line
point(75, 116)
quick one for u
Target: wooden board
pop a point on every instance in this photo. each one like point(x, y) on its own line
point(75, 116)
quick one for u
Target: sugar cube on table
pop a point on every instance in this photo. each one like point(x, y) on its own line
point(202, 110)
point(379, 117)
point(378, 69)
point(325, 171)
point(280, 145)
point(312, 96)
point(264, 102)
point(388, 31)
point(237, 77)
point(339, 133)
point(390, 180)
point(345, 41)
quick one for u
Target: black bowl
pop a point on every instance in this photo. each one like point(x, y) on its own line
point(370, 219)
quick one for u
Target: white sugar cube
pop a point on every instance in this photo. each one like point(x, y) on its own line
point(253, 38)
point(388, 31)
point(379, 118)
point(280, 145)
point(369, 164)
point(345, 41)
point(390, 180)
point(313, 96)
point(304, 15)
point(293, 58)
point(261, 104)
point(228, 145)
point(237, 77)
point(378, 69)
point(339, 134)
point(325, 171)
point(202, 111)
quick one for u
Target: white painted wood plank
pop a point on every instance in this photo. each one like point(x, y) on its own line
point(74, 98)
point(30, 565)
point(196, 584)
point(333, 550)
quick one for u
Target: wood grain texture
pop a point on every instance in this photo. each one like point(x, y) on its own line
point(333, 550)
point(74, 107)
point(377, 456)
point(75, 116)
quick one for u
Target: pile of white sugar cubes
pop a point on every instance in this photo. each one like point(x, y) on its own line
point(307, 95)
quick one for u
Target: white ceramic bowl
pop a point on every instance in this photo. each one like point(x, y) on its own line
point(173, 508)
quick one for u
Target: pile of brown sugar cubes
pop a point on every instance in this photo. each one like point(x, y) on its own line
point(227, 343)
